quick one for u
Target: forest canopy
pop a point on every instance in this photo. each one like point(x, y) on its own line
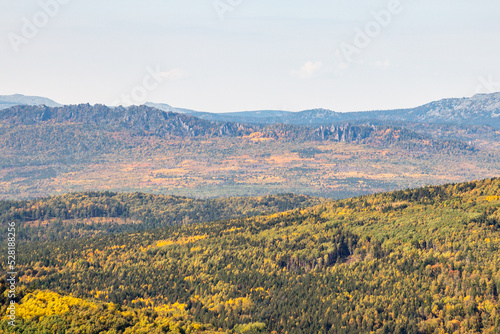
point(421, 260)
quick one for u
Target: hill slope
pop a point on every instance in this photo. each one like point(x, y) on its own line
point(140, 120)
point(80, 215)
point(481, 109)
point(414, 261)
point(146, 121)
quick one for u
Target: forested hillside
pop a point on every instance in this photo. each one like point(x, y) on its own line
point(50, 151)
point(412, 261)
point(144, 121)
point(92, 213)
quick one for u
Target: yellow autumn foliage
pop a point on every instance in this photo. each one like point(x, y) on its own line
point(48, 303)
point(181, 241)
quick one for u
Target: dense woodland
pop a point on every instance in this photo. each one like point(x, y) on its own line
point(413, 261)
point(74, 215)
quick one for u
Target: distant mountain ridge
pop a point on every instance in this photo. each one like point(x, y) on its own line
point(147, 121)
point(7, 101)
point(140, 120)
point(481, 109)
point(139, 148)
point(144, 120)
point(268, 117)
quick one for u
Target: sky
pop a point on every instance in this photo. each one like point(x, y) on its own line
point(236, 55)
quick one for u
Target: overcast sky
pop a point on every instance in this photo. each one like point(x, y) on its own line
point(232, 55)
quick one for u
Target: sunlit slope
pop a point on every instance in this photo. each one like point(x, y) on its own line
point(49, 312)
point(416, 261)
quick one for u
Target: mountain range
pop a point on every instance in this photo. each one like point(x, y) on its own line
point(53, 150)
point(481, 110)
point(147, 121)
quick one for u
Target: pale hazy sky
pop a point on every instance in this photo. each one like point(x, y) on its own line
point(250, 54)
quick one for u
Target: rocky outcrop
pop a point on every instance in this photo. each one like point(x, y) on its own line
point(140, 120)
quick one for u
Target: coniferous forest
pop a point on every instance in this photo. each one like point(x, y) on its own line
point(420, 260)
